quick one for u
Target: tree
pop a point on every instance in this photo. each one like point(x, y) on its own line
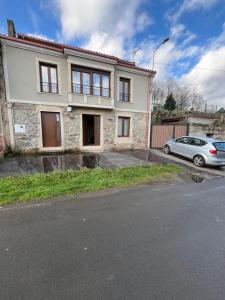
point(158, 93)
point(170, 103)
point(221, 111)
point(182, 98)
point(197, 101)
point(186, 98)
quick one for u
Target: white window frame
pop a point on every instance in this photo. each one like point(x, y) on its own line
point(38, 61)
point(131, 88)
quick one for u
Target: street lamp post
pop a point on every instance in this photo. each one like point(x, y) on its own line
point(151, 90)
point(157, 48)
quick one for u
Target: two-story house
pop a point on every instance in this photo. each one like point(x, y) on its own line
point(57, 97)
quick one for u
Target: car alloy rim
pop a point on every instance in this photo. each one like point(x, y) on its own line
point(166, 149)
point(198, 161)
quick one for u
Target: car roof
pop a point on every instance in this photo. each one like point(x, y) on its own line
point(206, 139)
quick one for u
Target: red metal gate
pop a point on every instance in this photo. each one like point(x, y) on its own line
point(160, 134)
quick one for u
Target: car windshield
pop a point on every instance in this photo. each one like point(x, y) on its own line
point(220, 146)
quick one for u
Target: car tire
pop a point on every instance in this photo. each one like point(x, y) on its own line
point(199, 161)
point(167, 149)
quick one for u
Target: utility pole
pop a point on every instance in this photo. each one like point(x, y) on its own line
point(151, 90)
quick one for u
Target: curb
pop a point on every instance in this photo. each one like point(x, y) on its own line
point(188, 164)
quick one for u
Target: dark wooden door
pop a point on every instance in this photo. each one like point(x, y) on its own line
point(85, 130)
point(51, 129)
point(97, 130)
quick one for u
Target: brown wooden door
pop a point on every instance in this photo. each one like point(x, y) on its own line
point(51, 129)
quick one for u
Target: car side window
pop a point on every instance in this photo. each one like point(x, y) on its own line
point(197, 142)
point(183, 140)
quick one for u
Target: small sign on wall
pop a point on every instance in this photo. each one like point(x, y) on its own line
point(20, 128)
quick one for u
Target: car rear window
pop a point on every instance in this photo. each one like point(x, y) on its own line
point(219, 146)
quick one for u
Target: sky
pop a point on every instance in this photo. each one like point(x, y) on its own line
point(194, 55)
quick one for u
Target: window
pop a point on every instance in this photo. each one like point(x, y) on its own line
point(105, 85)
point(123, 127)
point(48, 78)
point(96, 84)
point(76, 82)
point(197, 142)
point(86, 83)
point(183, 140)
point(90, 82)
point(124, 89)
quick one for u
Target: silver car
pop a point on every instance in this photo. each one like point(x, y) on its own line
point(201, 150)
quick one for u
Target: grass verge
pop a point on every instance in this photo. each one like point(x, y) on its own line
point(41, 186)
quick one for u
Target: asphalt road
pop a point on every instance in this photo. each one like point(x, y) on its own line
point(152, 242)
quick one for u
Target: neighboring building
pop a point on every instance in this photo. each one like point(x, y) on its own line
point(59, 97)
point(191, 118)
point(198, 124)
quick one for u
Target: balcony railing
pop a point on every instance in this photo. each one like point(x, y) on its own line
point(47, 87)
point(124, 97)
point(90, 90)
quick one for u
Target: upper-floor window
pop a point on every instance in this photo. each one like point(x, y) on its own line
point(124, 89)
point(90, 82)
point(48, 78)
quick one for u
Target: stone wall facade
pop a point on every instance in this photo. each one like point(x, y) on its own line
point(29, 117)
point(139, 129)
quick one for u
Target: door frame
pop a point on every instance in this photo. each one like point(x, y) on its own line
point(85, 127)
point(51, 149)
point(91, 147)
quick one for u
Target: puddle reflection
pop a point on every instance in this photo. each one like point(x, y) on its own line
point(68, 161)
point(197, 179)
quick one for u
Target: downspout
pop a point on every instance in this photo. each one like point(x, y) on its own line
point(149, 115)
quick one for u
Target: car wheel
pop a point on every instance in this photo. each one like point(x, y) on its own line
point(199, 161)
point(167, 149)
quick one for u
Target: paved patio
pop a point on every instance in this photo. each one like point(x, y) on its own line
point(30, 164)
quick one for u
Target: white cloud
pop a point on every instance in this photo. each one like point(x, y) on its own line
point(143, 20)
point(207, 77)
point(209, 73)
point(40, 36)
point(103, 42)
point(33, 17)
point(178, 51)
point(190, 5)
point(180, 32)
point(177, 30)
point(106, 26)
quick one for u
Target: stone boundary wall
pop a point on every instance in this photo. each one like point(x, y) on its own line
point(217, 132)
point(2, 143)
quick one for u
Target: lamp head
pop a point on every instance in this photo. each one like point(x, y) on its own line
point(165, 41)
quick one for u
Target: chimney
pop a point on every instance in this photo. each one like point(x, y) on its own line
point(11, 28)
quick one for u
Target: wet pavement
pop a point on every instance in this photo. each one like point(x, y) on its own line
point(30, 164)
